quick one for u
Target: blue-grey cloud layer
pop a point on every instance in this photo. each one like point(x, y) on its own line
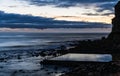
point(102, 4)
point(66, 2)
point(27, 21)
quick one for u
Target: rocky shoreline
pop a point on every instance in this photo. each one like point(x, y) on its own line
point(110, 45)
point(110, 69)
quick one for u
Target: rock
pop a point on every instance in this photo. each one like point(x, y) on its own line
point(115, 34)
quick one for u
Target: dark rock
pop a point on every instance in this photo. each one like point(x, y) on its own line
point(115, 34)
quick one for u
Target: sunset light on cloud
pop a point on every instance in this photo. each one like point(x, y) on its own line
point(62, 10)
point(102, 19)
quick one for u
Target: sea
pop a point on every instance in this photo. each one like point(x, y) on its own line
point(26, 40)
point(16, 49)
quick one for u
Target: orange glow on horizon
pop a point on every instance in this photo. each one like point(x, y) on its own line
point(101, 19)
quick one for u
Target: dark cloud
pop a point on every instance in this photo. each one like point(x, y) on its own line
point(106, 6)
point(68, 3)
point(27, 21)
point(65, 2)
point(97, 14)
point(91, 14)
point(101, 4)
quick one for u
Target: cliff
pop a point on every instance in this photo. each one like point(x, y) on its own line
point(115, 34)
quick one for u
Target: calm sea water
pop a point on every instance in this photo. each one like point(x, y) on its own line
point(17, 44)
point(25, 40)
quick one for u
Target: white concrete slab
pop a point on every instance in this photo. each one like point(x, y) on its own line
point(84, 57)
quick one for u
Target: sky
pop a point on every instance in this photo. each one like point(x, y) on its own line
point(56, 13)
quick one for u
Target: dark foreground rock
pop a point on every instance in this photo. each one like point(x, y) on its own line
point(110, 69)
point(115, 34)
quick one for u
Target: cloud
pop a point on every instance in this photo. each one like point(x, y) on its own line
point(66, 2)
point(85, 10)
point(106, 6)
point(99, 14)
point(9, 20)
point(101, 5)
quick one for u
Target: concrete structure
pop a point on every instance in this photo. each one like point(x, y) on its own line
point(76, 59)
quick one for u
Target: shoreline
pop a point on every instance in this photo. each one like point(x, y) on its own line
point(112, 68)
point(63, 50)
